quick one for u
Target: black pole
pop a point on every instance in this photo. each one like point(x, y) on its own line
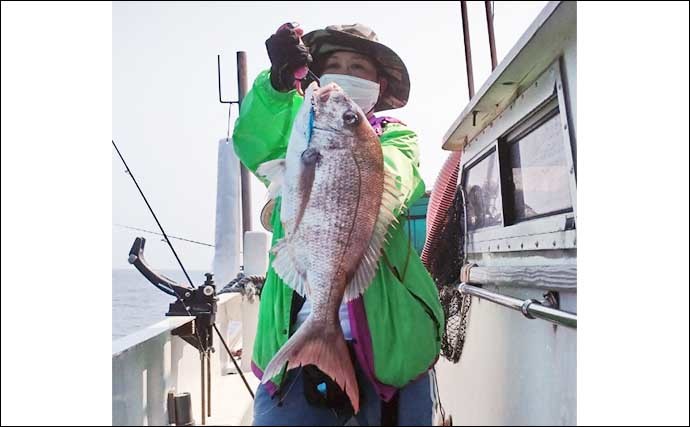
point(468, 48)
point(202, 355)
point(490, 27)
point(239, 371)
point(208, 380)
point(244, 177)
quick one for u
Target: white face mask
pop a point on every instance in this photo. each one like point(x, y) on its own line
point(363, 92)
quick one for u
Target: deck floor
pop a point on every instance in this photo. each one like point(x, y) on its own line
point(231, 404)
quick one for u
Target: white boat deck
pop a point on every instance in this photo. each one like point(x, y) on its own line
point(231, 404)
point(149, 364)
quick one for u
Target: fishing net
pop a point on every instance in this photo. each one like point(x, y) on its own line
point(446, 258)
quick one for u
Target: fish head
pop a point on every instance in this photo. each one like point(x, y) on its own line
point(337, 120)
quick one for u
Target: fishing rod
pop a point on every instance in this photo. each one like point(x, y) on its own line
point(199, 303)
point(129, 172)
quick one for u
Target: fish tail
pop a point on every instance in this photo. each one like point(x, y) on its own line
point(314, 344)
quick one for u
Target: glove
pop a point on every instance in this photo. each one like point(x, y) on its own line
point(289, 57)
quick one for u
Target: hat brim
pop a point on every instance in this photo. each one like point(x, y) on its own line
point(321, 43)
point(266, 215)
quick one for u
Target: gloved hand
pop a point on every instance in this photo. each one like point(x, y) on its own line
point(289, 57)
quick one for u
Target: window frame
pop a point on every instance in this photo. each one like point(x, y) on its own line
point(490, 149)
point(527, 111)
point(528, 125)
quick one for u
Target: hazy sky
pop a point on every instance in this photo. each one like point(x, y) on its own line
point(167, 120)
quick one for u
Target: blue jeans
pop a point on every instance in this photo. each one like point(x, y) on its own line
point(415, 406)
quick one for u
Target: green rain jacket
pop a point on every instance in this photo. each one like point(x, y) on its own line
point(398, 322)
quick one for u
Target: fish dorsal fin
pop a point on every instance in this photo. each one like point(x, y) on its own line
point(366, 270)
point(285, 263)
point(294, 167)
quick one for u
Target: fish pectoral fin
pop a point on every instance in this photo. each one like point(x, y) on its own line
point(310, 160)
point(274, 171)
point(366, 270)
point(287, 269)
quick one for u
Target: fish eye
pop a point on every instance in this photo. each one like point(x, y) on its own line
point(350, 118)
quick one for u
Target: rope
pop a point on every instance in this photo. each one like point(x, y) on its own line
point(248, 286)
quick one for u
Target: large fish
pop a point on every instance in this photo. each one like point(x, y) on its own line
point(337, 205)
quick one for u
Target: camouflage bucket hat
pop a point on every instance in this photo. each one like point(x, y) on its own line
point(362, 39)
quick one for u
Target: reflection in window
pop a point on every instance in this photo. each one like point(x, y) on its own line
point(484, 207)
point(539, 183)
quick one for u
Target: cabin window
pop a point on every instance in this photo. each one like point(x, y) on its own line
point(482, 189)
point(535, 176)
point(519, 178)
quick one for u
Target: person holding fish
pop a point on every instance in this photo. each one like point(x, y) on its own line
point(350, 323)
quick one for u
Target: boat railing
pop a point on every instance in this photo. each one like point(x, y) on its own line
point(530, 308)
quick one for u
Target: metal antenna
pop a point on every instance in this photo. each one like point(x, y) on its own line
point(220, 97)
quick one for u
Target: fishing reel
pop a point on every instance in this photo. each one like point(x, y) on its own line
point(190, 301)
point(200, 303)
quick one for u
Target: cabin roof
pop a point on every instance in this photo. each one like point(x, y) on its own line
point(538, 47)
